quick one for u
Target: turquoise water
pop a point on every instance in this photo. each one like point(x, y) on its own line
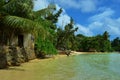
point(86, 67)
point(77, 67)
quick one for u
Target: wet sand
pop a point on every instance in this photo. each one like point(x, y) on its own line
point(28, 70)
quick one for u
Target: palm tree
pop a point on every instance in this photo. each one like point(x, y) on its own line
point(18, 16)
point(66, 37)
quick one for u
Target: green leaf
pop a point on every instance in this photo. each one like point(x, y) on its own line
point(24, 24)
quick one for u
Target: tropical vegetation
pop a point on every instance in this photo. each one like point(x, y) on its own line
point(18, 16)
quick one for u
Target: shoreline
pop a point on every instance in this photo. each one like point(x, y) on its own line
point(60, 56)
point(57, 56)
point(73, 53)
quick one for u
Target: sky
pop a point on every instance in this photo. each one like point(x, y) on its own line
point(92, 17)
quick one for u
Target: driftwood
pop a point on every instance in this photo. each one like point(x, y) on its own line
point(67, 52)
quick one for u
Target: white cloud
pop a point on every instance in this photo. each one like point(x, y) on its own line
point(105, 14)
point(68, 3)
point(40, 4)
point(83, 5)
point(63, 20)
point(98, 23)
point(57, 7)
point(88, 5)
point(83, 30)
point(104, 22)
point(113, 26)
point(96, 27)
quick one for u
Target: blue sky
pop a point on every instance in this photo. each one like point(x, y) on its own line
point(92, 17)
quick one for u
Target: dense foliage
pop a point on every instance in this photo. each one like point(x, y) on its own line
point(45, 45)
point(66, 38)
point(18, 16)
point(99, 43)
point(116, 44)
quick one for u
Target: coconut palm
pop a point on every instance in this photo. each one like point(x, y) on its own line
point(18, 16)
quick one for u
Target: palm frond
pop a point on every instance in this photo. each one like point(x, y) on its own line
point(22, 23)
point(2, 2)
point(20, 8)
point(9, 5)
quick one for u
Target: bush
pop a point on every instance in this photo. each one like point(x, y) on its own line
point(44, 47)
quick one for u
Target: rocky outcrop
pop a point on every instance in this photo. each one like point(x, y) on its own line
point(14, 56)
point(3, 61)
point(3, 57)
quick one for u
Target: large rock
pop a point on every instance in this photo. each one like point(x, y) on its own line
point(3, 61)
point(30, 53)
point(15, 56)
point(3, 58)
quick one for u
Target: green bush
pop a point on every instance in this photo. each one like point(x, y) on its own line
point(44, 47)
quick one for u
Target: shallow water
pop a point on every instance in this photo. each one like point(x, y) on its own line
point(78, 67)
point(86, 67)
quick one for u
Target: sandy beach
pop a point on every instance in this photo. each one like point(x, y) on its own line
point(29, 70)
point(59, 56)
